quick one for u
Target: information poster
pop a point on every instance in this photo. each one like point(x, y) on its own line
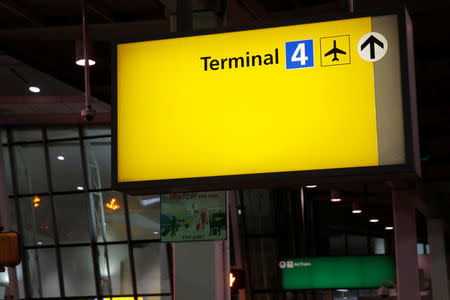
point(189, 217)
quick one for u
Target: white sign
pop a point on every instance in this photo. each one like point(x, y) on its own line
point(372, 46)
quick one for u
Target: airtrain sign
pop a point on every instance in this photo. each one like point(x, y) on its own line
point(266, 106)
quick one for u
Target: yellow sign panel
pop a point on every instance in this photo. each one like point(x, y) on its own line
point(250, 102)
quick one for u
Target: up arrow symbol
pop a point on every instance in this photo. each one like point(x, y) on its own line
point(372, 41)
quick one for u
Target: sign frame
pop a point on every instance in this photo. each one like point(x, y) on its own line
point(408, 171)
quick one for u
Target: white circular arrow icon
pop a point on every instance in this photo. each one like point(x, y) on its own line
point(372, 46)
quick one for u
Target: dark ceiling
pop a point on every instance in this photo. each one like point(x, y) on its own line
point(42, 33)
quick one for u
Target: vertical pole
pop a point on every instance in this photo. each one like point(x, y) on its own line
point(87, 85)
point(13, 286)
point(439, 275)
point(229, 195)
point(303, 238)
point(406, 244)
point(184, 16)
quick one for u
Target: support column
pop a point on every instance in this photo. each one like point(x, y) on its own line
point(403, 204)
point(199, 271)
point(439, 275)
point(5, 223)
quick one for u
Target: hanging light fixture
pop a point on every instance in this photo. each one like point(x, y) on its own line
point(356, 208)
point(335, 196)
point(79, 53)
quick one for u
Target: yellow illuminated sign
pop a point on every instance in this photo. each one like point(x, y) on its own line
point(292, 98)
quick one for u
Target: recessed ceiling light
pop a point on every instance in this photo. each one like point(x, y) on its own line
point(356, 211)
point(374, 220)
point(80, 188)
point(155, 232)
point(39, 243)
point(311, 186)
point(389, 227)
point(336, 199)
point(34, 89)
point(60, 157)
point(81, 62)
point(341, 290)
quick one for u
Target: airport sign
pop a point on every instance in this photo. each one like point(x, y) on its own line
point(265, 106)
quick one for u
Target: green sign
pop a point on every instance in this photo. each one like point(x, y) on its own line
point(189, 217)
point(337, 272)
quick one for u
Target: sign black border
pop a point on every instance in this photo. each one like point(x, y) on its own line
point(408, 171)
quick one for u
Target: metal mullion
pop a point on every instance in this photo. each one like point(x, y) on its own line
point(26, 278)
point(94, 248)
point(130, 246)
point(53, 213)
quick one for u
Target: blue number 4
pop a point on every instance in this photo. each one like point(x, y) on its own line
point(299, 54)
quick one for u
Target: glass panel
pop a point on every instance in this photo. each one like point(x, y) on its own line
point(337, 244)
point(259, 209)
point(19, 272)
point(43, 273)
point(263, 263)
point(420, 248)
point(30, 169)
point(96, 131)
point(98, 156)
point(65, 162)
point(377, 246)
point(115, 271)
point(427, 248)
point(152, 271)
point(62, 133)
point(72, 218)
point(27, 134)
point(78, 271)
point(37, 221)
point(4, 135)
point(109, 216)
point(7, 170)
point(357, 244)
point(144, 216)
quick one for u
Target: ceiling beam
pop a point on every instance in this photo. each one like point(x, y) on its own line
point(43, 99)
point(97, 32)
point(100, 10)
point(54, 119)
point(19, 11)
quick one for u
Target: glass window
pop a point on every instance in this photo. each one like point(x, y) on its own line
point(30, 169)
point(96, 131)
point(152, 271)
point(72, 218)
point(109, 216)
point(44, 280)
point(19, 274)
point(115, 271)
point(37, 220)
point(78, 271)
point(65, 162)
point(98, 156)
point(377, 246)
point(61, 133)
point(4, 135)
point(144, 216)
point(357, 244)
point(259, 209)
point(263, 263)
point(337, 244)
point(7, 170)
point(420, 248)
point(27, 134)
